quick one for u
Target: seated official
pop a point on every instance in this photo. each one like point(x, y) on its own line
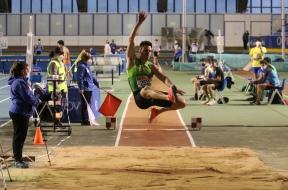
point(213, 84)
point(268, 80)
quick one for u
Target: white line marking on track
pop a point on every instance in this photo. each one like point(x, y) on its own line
point(187, 131)
point(4, 86)
point(6, 123)
point(4, 78)
point(176, 129)
point(4, 99)
point(122, 121)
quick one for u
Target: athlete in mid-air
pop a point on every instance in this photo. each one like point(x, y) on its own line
point(140, 72)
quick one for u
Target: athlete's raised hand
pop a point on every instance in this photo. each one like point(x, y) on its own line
point(141, 17)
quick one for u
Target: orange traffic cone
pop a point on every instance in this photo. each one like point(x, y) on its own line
point(38, 139)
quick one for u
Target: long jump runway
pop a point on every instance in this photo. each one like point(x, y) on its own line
point(167, 129)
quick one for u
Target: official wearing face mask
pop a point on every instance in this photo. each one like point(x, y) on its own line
point(85, 81)
point(269, 79)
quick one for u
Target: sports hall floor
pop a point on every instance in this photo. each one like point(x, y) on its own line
point(236, 124)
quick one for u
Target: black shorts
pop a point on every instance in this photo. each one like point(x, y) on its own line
point(143, 103)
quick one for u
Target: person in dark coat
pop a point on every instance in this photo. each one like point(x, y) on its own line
point(85, 82)
point(245, 39)
point(21, 109)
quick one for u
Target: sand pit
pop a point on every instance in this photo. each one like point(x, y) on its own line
point(149, 168)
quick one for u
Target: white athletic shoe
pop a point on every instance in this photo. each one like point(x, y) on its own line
point(205, 102)
point(211, 102)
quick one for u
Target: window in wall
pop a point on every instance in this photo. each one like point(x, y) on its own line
point(190, 6)
point(56, 6)
point(15, 6)
point(25, 6)
point(92, 6)
point(266, 10)
point(36, 6)
point(46, 6)
point(276, 10)
point(220, 6)
point(144, 5)
point(231, 6)
point(210, 6)
point(133, 6)
point(102, 6)
point(266, 3)
point(256, 3)
point(75, 6)
point(200, 6)
point(276, 3)
point(256, 10)
point(170, 6)
point(112, 7)
point(123, 6)
point(67, 6)
point(178, 6)
point(153, 6)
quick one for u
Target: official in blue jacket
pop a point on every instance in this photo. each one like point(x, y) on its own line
point(21, 108)
point(85, 81)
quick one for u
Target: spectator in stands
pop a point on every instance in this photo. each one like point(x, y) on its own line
point(178, 53)
point(214, 83)
point(39, 47)
point(107, 48)
point(156, 48)
point(256, 55)
point(140, 72)
point(268, 80)
point(194, 49)
point(113, 47)
point(65, 59)
point(92, 51)
point(245, 39)
point(21, 108)
point(85, 82)
point(208, 35)
point(176, 46)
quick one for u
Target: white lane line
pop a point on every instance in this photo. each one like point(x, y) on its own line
point(176, 129)
point(4, 86)
point(6, 123)
point(4, 78)
point(122, 120)
point(4, 99)
point(187, 131)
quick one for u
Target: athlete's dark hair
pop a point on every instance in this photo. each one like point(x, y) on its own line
point(145, 43)
point(61, 42)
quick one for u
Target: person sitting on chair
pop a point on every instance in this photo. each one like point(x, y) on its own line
point(213, 84)
point(268, 80)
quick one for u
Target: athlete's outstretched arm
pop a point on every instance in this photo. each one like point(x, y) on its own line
point(130, 53)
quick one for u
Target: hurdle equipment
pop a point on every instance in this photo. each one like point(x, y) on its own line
point(110, 122)
point(196, 123)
